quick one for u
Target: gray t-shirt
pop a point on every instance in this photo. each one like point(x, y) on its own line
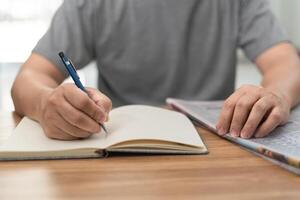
point(147, 50)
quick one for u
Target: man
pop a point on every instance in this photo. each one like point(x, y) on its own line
point(149, 50)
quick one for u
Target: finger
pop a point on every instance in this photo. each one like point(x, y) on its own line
point(54, 132)
point(70, 129)
point(241, 111)
point(258, 112)
point(100, 99)
point(227, 112)
point(81, 101)
point(77, 118)
point(274, 119)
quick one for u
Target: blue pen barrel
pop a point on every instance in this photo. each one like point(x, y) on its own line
point(73, 73)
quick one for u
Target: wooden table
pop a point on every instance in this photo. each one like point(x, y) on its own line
point(227, 172)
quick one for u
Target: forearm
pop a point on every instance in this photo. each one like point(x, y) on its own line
point(30, 85)
point(284, 80)
point(27, 91)
point(281, 73)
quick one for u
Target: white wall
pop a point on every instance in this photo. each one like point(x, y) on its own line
point(288, 13)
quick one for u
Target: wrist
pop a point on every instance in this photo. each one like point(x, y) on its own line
point(41, 106)
point(282, 95)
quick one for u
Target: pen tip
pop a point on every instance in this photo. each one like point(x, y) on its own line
point(103, 127)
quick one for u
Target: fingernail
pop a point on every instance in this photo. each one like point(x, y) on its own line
point(101, 118)
point(234, 133)
point(257, 136)
point(245, 135)
point(221, 131)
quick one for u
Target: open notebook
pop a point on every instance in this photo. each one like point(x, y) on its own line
point(134, 128)
point(281, 146)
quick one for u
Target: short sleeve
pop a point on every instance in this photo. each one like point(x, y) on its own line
point(71, 32)
point(258, 28)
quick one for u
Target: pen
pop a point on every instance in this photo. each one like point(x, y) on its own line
point(73, 73)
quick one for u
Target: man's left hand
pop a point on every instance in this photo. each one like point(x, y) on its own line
point(253, 111)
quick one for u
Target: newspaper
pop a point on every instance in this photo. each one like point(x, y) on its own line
point(282, 144)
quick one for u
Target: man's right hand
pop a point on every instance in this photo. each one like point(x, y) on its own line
point(67, 113)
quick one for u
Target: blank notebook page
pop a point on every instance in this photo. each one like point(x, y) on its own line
point(135, 122)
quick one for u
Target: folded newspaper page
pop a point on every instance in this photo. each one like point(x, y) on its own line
point(281, 146)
